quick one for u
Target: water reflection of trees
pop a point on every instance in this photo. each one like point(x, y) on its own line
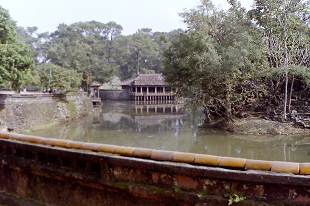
point(118, 123)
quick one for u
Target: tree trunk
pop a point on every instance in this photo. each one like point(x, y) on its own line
point(286, 64)
point(290, 98)
point(228, 103)
point(285, 95)
point(138, 62)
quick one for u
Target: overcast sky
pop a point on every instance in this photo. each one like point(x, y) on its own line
point(159, 15)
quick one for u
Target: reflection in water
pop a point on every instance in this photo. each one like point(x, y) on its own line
point(170, 127)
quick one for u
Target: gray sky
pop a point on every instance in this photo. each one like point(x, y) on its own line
point(160, 15)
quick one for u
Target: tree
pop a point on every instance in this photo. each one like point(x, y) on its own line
point(112, 30)
point(142, 45)
point(64, 80)
point(28, 37)
point(15, 56)
point(136, 53)
point(284, 27)
point(215, 63)
point(80, 46)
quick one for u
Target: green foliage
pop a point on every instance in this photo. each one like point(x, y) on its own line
point(62, 79)
point(219, 55)
point(177, 189)
point(27, 36)
point(82, 46)
point(234, 196)
point(15, 56)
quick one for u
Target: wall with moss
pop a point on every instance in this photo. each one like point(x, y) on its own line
point(62, 172)
point(35, 111)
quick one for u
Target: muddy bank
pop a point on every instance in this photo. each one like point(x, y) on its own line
point(260, 126)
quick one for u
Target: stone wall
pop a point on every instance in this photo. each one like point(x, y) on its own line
point(33, 111)
point(61, 172)
point(117, 95)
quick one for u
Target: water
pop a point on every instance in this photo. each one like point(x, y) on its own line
point(170, 127)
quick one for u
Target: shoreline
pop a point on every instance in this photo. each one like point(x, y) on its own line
point(259, 126)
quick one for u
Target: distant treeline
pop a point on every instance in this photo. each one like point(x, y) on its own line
point(95, 48)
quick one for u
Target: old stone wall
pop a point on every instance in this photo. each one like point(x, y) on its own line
point(62, 172)
point(34, 111)
point(117, 95)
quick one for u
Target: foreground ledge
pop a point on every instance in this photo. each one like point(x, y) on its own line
point(76, 173)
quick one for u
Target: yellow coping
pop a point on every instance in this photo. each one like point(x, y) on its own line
point(142, 153)
point(304, 168)
point(207, 159)
point(183, 157)
point(15, 136)
point(124, 151)
point(258, 165)
point(32, 139)
point(162, 155)
point(23, 138)
point(90, 146)
point(275, 166)
point(49, 141)
point(232, 162)
point(61, 143)
point(75, 145)
point(106, 148)
point(5, 135)
point(35, 139)
point(285, 167)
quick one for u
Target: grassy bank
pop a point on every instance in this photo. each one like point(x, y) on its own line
point(259, 126)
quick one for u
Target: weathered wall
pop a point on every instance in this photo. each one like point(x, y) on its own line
point(32, 111)
point(49, 172)
point(117, 95)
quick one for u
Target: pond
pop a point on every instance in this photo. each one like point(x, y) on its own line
point(171, 127)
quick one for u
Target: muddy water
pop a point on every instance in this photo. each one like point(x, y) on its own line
point(171, 127)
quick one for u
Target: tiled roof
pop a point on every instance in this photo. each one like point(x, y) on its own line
point(128, 81)
point(145, 80)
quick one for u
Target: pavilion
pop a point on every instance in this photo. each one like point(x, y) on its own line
point(148, 87)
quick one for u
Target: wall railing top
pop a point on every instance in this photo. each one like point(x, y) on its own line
point(168, 156)
point(36, 96)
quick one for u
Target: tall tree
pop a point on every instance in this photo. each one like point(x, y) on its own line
point(216, 61)
point(15, 56)
point(284, 24)
point(112, 30)
point(28, 36)
point(80, 46)
point(143, 46)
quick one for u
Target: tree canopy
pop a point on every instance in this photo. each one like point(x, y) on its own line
point(15, 56)
point(219, 55)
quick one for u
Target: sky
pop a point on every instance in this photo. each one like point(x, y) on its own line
point(159, 15)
